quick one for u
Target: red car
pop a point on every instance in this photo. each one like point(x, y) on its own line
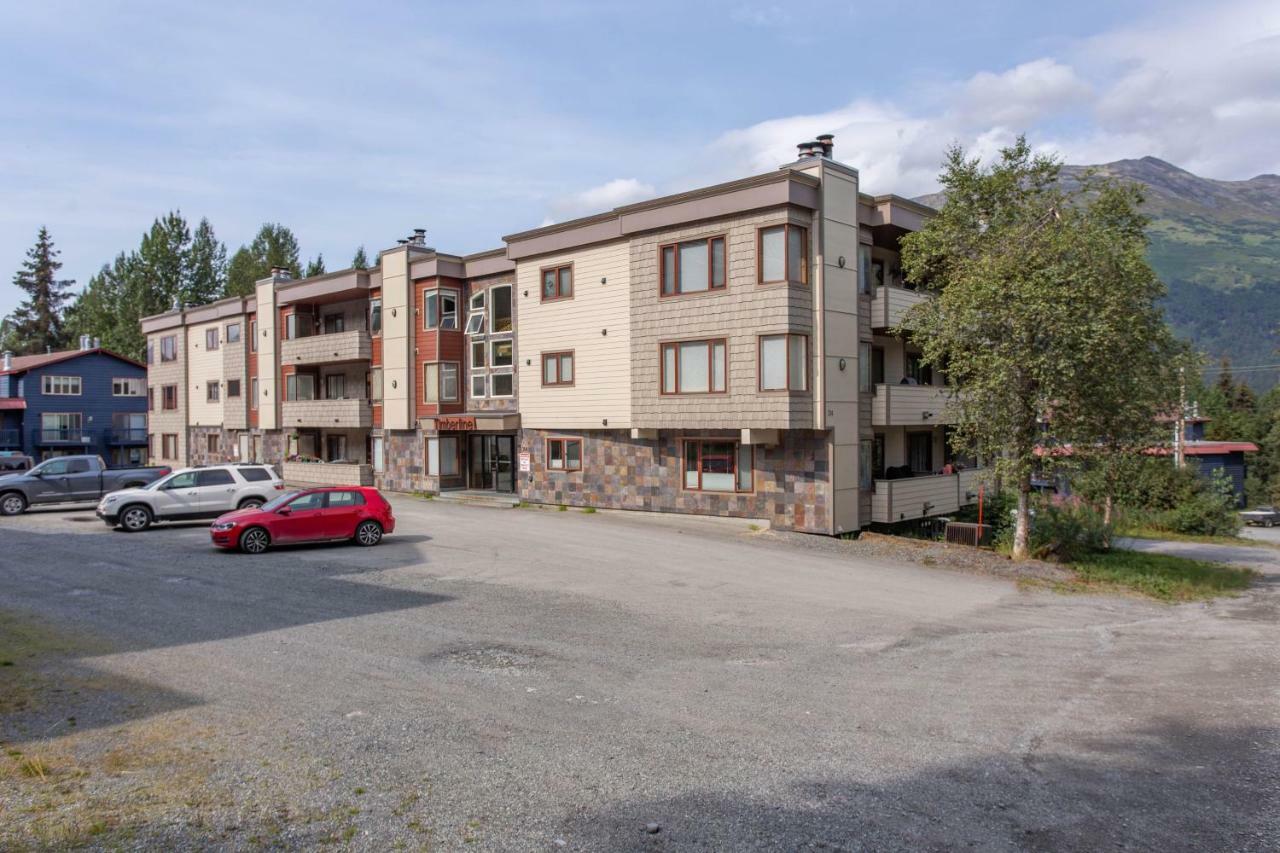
point(357, 513)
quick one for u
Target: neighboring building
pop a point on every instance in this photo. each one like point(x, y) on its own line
point(723, 351)
point(1210, 457)
point(87, 400)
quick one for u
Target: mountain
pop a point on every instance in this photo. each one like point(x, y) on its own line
point(1216, 245)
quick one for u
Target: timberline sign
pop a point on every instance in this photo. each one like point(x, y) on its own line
point(456, 424)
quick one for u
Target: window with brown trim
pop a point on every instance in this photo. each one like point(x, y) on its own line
point(783, 253)
point(784, 363)
point(169, 397)
point(557, 283)
point(169, 348)
point(692, 266)
point(694, 367)
point(717, 465)
point(169, 445)
point(210, 339)
point(557, 368)
point(440, 382)
point(564, 454)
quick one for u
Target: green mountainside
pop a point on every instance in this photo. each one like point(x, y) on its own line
point(1216, 245)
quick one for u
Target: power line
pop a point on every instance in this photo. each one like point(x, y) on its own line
point(1242, 369)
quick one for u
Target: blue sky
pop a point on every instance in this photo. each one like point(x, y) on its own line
point(354, 123)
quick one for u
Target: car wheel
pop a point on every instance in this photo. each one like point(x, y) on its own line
point(249, 503)
point(135, 519)
point(12, 503)
point(369, 533)
point(254, 540)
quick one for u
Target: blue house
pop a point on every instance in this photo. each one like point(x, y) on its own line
point(87, 400)
point(1213, 456)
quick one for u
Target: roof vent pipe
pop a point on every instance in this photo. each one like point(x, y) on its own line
point(8, 360)
point(827, 140)
point(97, 343)
point(84, 342)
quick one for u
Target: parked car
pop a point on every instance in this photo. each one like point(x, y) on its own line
point(15, 463)
point(357, 513)
point(66, 479)
point(191, 493)
point(1263, 516)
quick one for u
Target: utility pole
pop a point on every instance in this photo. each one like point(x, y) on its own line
point(1180, 423)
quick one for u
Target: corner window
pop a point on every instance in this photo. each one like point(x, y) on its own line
point(440, 309)
point(694, 266)
point(475, 314)
point(210, 339)
point(564, 454)
point(557, 283)
point(233, 333)
point(375, 316)
point(716, 465)
point(784, 254)
point(439, 382)
point(126, 387)
point(784, 363)
point(500, 308)
point(694, 367)
point(557, 368)
point(169, 348)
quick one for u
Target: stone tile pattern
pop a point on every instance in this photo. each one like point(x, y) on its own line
point(792, 480)
point(404, 453)
point(741, 312)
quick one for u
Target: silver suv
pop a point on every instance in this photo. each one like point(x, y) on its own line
point(191, 493)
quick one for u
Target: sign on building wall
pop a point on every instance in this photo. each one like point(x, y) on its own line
point(525, 464)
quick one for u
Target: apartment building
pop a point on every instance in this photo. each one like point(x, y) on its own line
point(732, 350)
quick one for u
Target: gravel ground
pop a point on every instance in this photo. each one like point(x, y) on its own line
point(528, 680)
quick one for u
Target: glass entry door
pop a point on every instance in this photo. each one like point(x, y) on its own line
point(491, 462)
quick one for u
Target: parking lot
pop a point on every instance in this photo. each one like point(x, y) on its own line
point(531, 679)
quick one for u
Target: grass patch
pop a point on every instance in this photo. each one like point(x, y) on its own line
point(1161, 576)
point(562, 508)
point(1143, 532)
point(588, 510)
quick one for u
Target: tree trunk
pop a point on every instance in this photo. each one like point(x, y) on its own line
point(1022, 526)
point(1107, 504)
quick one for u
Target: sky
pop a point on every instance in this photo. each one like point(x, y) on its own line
point(354, 123)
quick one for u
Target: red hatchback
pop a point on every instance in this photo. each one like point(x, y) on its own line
point(357, 513)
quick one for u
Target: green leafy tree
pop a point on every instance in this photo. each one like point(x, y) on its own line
point(315, 267)
point(361, 260)
point(37, 323)
point(274, 246)
point(1028, 305)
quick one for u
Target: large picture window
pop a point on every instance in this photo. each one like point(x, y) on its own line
point(784, 254)
point(718, 465)
point(784, 363)
point(557, 283)
point(500, 308)
point(694, 266)
point(440, 309)
point(694, 367)
point(564, 454)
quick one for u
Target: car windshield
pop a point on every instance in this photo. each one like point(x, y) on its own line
point(276, 503)
point(159, 484)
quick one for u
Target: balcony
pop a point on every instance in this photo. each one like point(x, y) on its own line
point(920, 497)
point(910, 405)
point(327, 474)
point(891, 304)
point(327, 414)
point(45, 437)
point(355, 345)
point(10, 438)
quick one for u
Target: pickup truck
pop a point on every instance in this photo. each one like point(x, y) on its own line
point(1263, 516)
point(67, 479)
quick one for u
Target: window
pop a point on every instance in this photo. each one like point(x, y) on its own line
point(169, 348)
point(61, 426)
point(210, 339)
point(442, 456)
point(255, 475)
point(500, 308)
point(479, 385)
point(441, 309)
point(126, 387)
point(877, 456)
point(300, 386)
point(169, 400)
point(233, 333)
point(564, 454)
point(253, 335)
point(716, 465)
point(918, 373)
point(784, 363)
point(151, 351)
point(439, 382)
point(169, 446)
point(335, 448)
point(213, 391)
point(501, 385)
point(920, 452)
point(866, 464)
point(877, 273)
point(151, 445)
point(477, 355)
point(335, 386)
point(864, 269)
point(694, 367)
point(233, 388)
point(784, 254)
point(212, 445)
point(501, 353)
point(475, 315)
point(557, 283)
point(253, 393)
point(338, 500)
point(334, 323)
point(375, 316)
point(694, 266)
point(557, 368)
point(151, 399)
point(877, 365)
point(61, 386)
point(375, 384)
point(379, 457)
point(864, 368)
point(298, 325)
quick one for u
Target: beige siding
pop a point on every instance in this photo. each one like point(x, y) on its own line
point(594, 324)
point(204, 366)
point(397, 337)
point(268, 359)
point(159, 374)
point(740, 313)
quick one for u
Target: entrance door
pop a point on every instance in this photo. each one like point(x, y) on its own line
point(504, 475)
point(491, 463)
point(244, 448)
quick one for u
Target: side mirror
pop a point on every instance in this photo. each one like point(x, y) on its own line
point(284, 510)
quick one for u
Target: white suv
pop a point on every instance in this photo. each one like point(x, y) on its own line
point(191, 493)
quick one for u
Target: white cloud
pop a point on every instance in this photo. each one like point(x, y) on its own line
point(599, 199)
point(1021, 95)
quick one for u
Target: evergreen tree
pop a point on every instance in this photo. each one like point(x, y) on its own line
point(315, 267)
point(206, 266)
point(274, 246)
point(361, 260)
point(37, 324)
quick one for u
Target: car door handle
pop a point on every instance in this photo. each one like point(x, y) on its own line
point(192, 494)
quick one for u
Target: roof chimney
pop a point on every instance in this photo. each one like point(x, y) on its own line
point(85, 340)
point(97, 343)
point(828, 142)
point(8, 360)
point(48, 349)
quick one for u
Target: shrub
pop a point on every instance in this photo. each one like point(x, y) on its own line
point(1209, 511)
point(1066, 533)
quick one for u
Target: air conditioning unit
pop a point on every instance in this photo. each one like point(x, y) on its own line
point(968, 533)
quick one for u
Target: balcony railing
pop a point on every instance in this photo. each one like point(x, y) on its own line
point(333, 414)
point(327, 473)
point(130, 435)
point(910, 405)
point(920, 497)
point(355, 345)
point(891, 304)
point(60, 436)
point(10, 438)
